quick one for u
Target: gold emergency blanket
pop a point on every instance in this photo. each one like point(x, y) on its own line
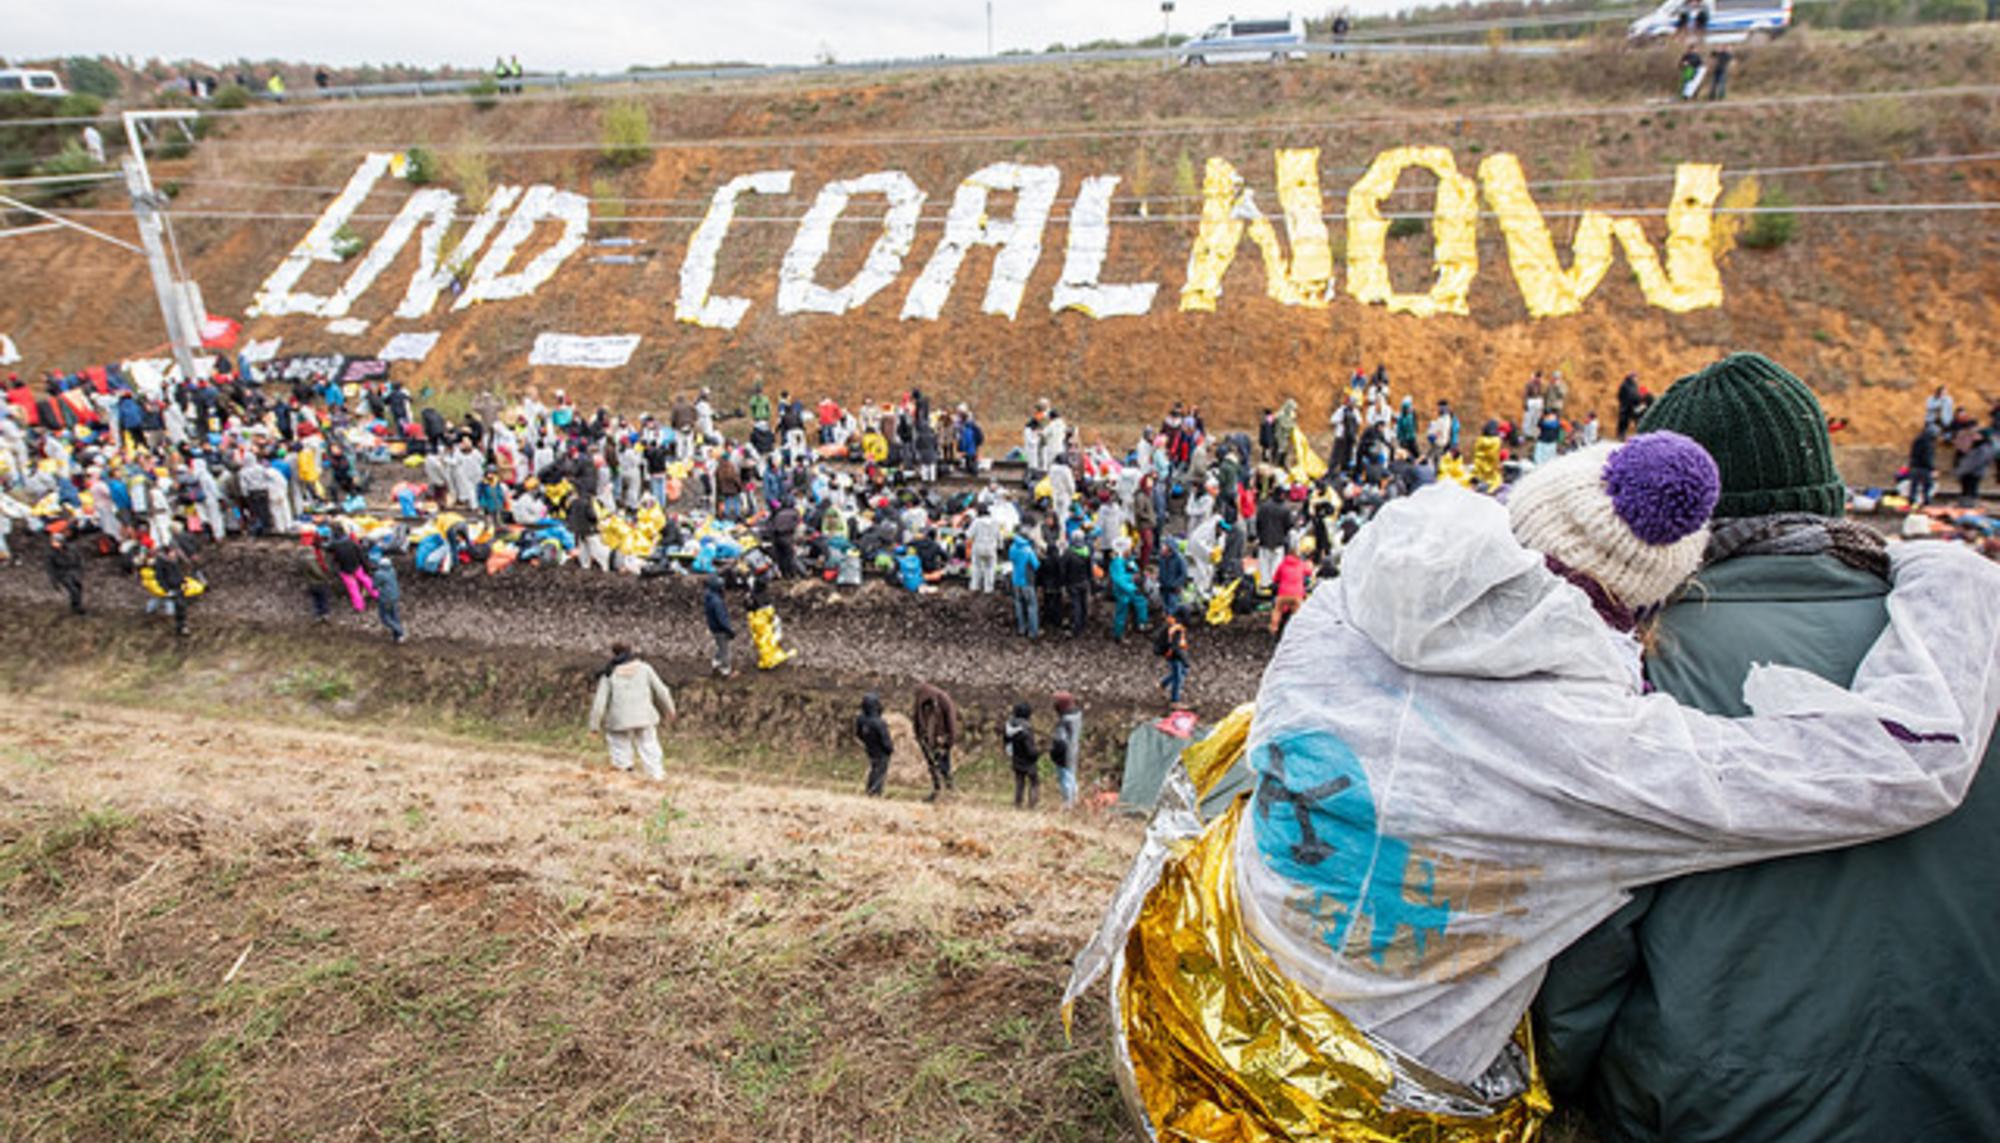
point(1213, 1043)
point(1223, 1047)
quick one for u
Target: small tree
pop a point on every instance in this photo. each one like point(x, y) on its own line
point(71, 160)
point(92, 76)
point(230, 97)
point(1186, 184)
point(420, 166)
point(1950, 11)
point(485, 94)
point(627, 134)
point(1772, 226)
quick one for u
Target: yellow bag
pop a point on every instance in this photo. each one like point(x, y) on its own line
point(1222, 605)
point(765, 632)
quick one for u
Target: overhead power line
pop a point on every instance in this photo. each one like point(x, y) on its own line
point(1058, 219)
point(1841, 167)
point(294, 149)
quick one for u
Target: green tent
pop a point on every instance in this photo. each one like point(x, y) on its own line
point(1150, 752)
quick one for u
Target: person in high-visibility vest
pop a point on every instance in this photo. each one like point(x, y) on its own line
point(275, 86)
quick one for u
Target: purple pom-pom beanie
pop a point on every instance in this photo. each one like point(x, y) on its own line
point(1633, 517)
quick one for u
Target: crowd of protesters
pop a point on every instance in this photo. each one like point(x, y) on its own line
point(1156, 532)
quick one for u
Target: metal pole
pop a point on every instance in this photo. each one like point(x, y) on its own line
point(183, 327)
point(989, 27)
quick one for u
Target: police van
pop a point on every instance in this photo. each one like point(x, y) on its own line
point(1240, 41)
point(1719, 21)
point(19, 80)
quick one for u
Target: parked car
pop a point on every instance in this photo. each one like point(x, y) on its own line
point(1724, 21)
point(19, 80)
point(1241, 41)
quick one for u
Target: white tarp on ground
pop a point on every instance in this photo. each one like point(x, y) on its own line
point(151, 375)
point(409, 347)
point(583, 352)
point(8, 354)
point(258, 352)
point(347, 327)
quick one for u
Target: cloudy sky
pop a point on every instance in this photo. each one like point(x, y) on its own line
point(591, 35)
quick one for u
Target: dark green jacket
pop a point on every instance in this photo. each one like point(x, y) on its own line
point(1852, 995)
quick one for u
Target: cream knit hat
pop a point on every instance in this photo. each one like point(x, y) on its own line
point(1633, 517)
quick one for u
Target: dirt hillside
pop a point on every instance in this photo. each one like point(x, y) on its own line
point(1872, 307)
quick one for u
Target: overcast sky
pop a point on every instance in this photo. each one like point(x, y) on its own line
point(590, 35)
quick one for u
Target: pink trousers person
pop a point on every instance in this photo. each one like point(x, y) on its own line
point(358, 586)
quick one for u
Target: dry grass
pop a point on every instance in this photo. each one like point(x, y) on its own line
point(292, 933)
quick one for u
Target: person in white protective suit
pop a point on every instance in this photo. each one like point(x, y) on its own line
point(1506, 778)
point(1458, 769)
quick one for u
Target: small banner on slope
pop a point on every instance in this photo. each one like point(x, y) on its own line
point(583, 352)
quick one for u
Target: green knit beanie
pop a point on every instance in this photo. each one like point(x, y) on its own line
point(1765, 430)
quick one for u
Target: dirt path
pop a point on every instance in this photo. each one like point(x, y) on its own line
point(873, 635)
point(232, 928)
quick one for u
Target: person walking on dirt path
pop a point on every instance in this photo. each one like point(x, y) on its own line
point(715, 611)
point(170, 579)
point(1172, 646)
point(351, 566)
point(631, 700)
point(388, 595)
point(1718, 67)
point(316, 574)
point(872, 731)
point(65, 567)
point(935, 720)
point(1025, 755)
point(1066, 745)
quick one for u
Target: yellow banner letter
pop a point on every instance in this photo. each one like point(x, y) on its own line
point(1454, 229)
point(1306, 279)
point(1689, 280)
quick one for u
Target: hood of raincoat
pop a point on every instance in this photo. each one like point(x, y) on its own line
point(1441, 586)
point(871, 706)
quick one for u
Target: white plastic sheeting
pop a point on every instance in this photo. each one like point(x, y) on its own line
point(583, 352)
point(799, 293)
point(1083, 263)
point(695, 305)
point(276, 296)
point(432, 276)
point(151, 375)
point(258, 352)
point(1019, 239)
point(347, 327)
point(1482, 779)
point(431, 205)
point(8, 354)
point(409, 347)
point(541, 203)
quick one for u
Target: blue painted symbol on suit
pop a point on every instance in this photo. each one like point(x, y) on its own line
point(1315, 823)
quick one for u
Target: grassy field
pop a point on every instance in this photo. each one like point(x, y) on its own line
point(233, 929)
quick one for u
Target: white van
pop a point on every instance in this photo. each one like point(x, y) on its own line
point(1238, 41)
point(1728, 21)
point(17, 80)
